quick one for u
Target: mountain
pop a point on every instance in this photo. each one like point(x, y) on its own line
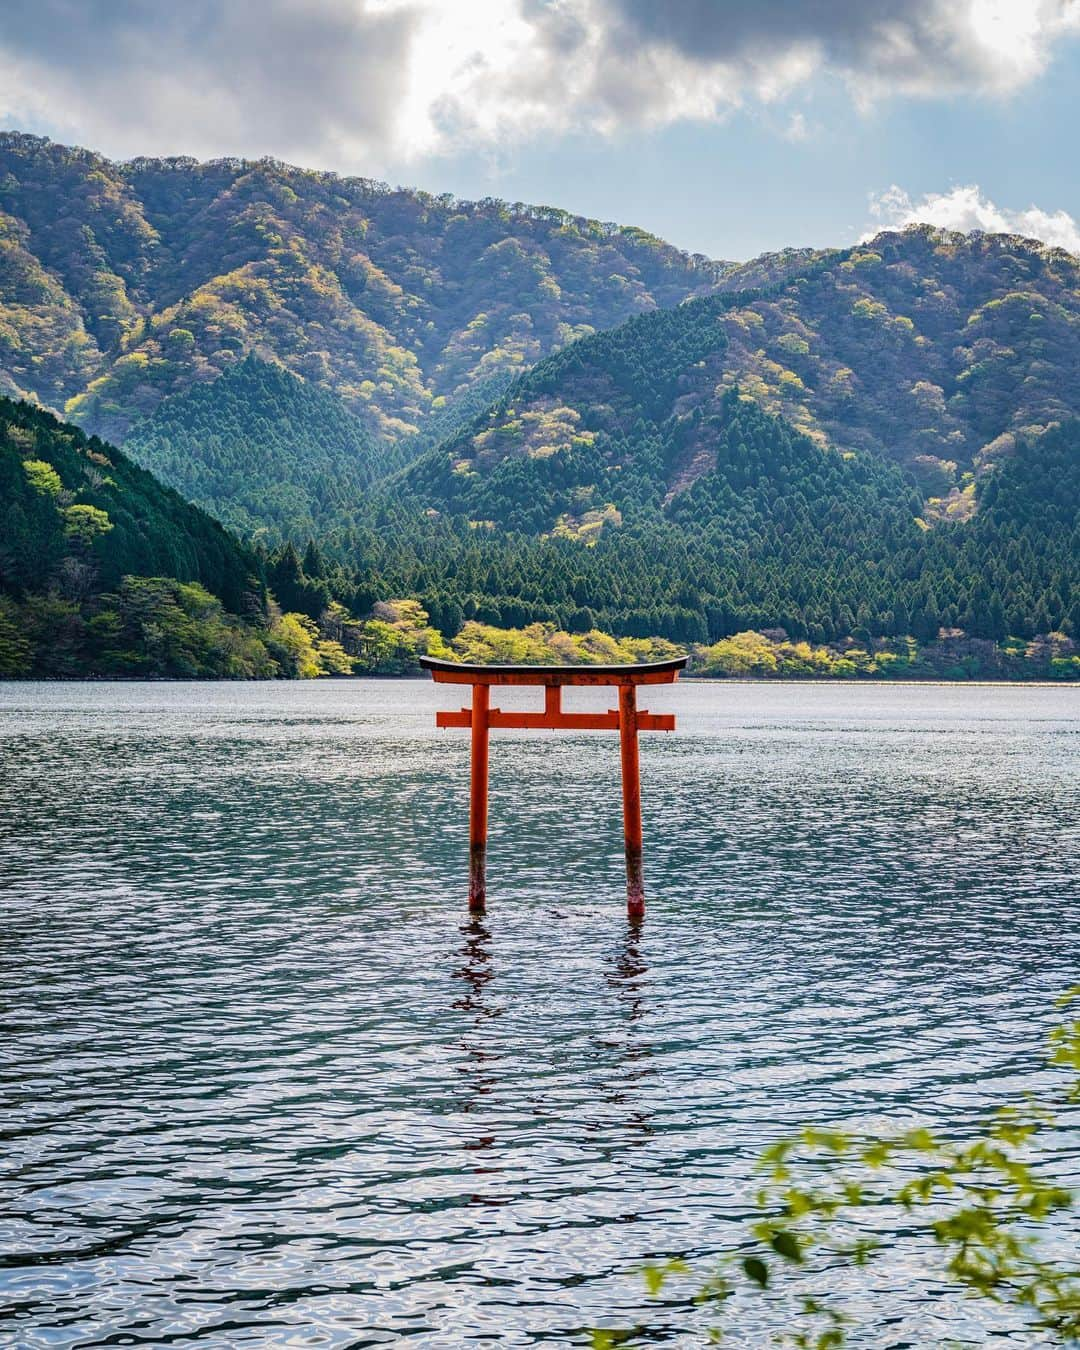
point(121, 284)
point(652, 479)
point(103, 571)
point(508, 416)
point(932, 348)
point(268, 454)
point(928, 349)
point(775, 532)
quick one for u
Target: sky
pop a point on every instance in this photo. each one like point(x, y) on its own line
point(728, 127)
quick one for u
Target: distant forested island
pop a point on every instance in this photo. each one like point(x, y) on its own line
point(272, 423)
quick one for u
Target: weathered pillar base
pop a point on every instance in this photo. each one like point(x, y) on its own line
point(477, 878)
point(635, 886)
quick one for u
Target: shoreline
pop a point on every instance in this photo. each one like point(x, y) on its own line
point(846, 681)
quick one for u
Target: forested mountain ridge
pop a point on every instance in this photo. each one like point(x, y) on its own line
point(105, 572)
point(123, 283)
point(269, 455)
point(930, 349)
point(874, 448)
point(703, 500)
point(777, 532)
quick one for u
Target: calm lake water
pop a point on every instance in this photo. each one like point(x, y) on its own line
point(263, 1083)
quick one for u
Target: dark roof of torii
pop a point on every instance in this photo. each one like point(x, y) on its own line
point(651, 672)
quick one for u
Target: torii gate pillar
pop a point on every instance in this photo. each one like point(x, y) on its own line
point(627, 719)
point(631, 801)
point(478, 799)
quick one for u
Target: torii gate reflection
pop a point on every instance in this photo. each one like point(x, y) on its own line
point(627, 719)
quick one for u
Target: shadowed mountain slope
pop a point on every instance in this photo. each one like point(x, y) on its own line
point(77, 515)
point(266, 453)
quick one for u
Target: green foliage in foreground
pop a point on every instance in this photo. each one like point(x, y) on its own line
point(979, 1201)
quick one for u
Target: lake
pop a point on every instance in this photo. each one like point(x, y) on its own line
point(263, 1082)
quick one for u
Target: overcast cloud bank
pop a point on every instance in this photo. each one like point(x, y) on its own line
point(363, 85)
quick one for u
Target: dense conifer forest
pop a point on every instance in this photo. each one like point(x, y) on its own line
point(99, 562)
point(269, 455)
point(778, 534)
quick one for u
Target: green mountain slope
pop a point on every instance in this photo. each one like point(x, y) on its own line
point(104, 571)
point(712, 502)
point(266, 453)
point(637, 477)
point(858, 444)
point(774, 532)
point(123, 283)
point(928, 349)
point(79, 507)
point(594, 423)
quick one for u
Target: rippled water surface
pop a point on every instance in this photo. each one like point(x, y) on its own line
point(263, 1083)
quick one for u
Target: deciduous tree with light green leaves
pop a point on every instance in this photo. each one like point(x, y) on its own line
point(84, 523)
point(42, 477)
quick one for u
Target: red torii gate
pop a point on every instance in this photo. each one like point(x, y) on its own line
point(626, 719)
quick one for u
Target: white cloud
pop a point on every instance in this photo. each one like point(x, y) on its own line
point(965, 209)
point(366, 84)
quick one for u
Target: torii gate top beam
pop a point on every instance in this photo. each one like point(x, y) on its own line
point(652, 672)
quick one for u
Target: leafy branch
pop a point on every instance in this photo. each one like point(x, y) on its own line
point(980, 1201)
